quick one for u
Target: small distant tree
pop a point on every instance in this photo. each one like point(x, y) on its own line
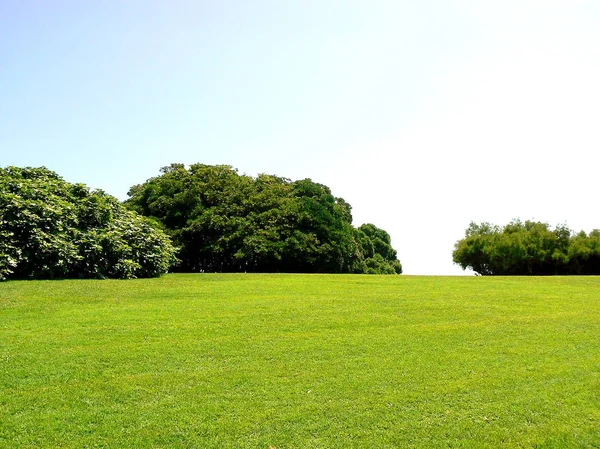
point(50, 228)
point(527, 248)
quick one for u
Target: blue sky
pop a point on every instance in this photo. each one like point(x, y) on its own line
point(422, 115)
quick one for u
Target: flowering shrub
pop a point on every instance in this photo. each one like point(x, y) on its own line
point(50, 228)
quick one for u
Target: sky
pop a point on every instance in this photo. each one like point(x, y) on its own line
point(424, 116)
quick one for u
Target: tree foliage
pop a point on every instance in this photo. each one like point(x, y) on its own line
point(529, 248)
point(226, 222)
point(50, 228)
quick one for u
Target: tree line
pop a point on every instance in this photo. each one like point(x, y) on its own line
point(210, 218)
point(200, 219)
point(528, 248)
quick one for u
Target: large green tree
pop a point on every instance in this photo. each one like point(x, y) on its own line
point(50, 228)
point(224, 221)
point(527, 248)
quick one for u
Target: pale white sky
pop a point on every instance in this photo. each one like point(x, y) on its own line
point(422, 115)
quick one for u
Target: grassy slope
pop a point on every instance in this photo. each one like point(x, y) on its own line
point(294, 361)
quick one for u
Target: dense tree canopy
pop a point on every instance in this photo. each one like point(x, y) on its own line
point(529, 248)
point(50, 228)
point(224, 221)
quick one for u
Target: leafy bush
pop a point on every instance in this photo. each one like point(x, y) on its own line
point(376, 253)
point(50, 228)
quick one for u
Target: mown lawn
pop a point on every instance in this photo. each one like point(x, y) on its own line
point(301, 361)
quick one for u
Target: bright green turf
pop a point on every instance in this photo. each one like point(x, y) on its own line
point(301, 361)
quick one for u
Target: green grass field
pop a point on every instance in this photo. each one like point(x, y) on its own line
point(301, 361)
